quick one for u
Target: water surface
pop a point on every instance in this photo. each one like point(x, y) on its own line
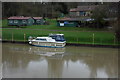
point(25, 61)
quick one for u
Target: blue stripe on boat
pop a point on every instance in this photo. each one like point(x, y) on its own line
point(47, 46)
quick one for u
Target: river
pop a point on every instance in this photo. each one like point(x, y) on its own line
point(25, 61)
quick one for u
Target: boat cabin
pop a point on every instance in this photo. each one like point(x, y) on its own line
point(57, 37)
point(45, 39)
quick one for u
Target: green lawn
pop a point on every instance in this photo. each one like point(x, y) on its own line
point(72, 34)
point(52, 26)
point(5, 24)
point(104, 38)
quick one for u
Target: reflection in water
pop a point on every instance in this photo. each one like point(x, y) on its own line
point(20, 60)
point(46, 51)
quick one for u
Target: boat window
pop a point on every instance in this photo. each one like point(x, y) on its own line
point(53, 37)
point(41, 39)
point(62, 38)
point(58, 37)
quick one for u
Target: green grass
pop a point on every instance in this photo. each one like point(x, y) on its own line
point(5, 24)
point(52, 26)
point(72, 34)
point(104, 38)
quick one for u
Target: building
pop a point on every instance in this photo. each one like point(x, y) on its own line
point(82, 11)
point(73, 22)
point(38, 21)
point(68, 22)
point(79, 16)
point(20, 21)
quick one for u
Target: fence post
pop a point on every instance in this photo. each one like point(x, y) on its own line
point(12, 37)
point(24, 37)
point(93, 38)
point(77, 39)
point(114, 39)
point(101, 40)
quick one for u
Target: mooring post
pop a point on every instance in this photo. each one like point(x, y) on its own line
point(114, 38)
point(93, 38)
point(77, 39)
point(12, 37)
point(24, 37)
point(101, 40)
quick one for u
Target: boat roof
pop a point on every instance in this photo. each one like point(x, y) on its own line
point(44, 37)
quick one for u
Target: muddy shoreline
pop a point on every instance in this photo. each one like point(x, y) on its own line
point(68, 44)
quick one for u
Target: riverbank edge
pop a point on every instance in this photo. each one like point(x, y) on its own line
point(70, 44)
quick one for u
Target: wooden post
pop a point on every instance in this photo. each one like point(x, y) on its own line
point(12, 37)
point(114, 39)
point(24, 37)
point(93, 38)
point(77, 39)
point(101, 40)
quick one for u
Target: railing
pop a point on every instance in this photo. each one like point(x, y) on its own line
point(91, 39)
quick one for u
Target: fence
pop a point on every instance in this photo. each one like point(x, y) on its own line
point(92, 39)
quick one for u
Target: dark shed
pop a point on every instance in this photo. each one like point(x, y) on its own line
point(20, 21)
point(69, 22)
point(72, 22)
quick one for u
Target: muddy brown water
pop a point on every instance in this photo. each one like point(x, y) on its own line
point(25, 61)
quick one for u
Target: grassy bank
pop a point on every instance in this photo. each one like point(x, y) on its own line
point(72, 34)
point(103, 38)
point(52, 26)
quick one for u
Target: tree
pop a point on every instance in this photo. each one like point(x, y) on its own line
point(98, 14)
point(114, 12)
point(10, 9)
point(117, 23)
point(61, 7)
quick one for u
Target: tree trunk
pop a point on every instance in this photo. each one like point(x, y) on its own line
point(118, 31)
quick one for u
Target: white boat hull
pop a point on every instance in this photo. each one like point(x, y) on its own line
point(48, 44)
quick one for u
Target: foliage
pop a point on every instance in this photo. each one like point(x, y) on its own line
point(98, 14)
point(116, 24)
point(44, 9)
point(114, 11)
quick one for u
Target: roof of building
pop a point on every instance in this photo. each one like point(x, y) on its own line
point(64, 19)
point(73, 9)
point(18, 17)
point(70, 19)
point(75, 19)
point(37, 17)
point(84, 8)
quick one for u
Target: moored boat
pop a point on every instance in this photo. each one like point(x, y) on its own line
point(53, 40)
